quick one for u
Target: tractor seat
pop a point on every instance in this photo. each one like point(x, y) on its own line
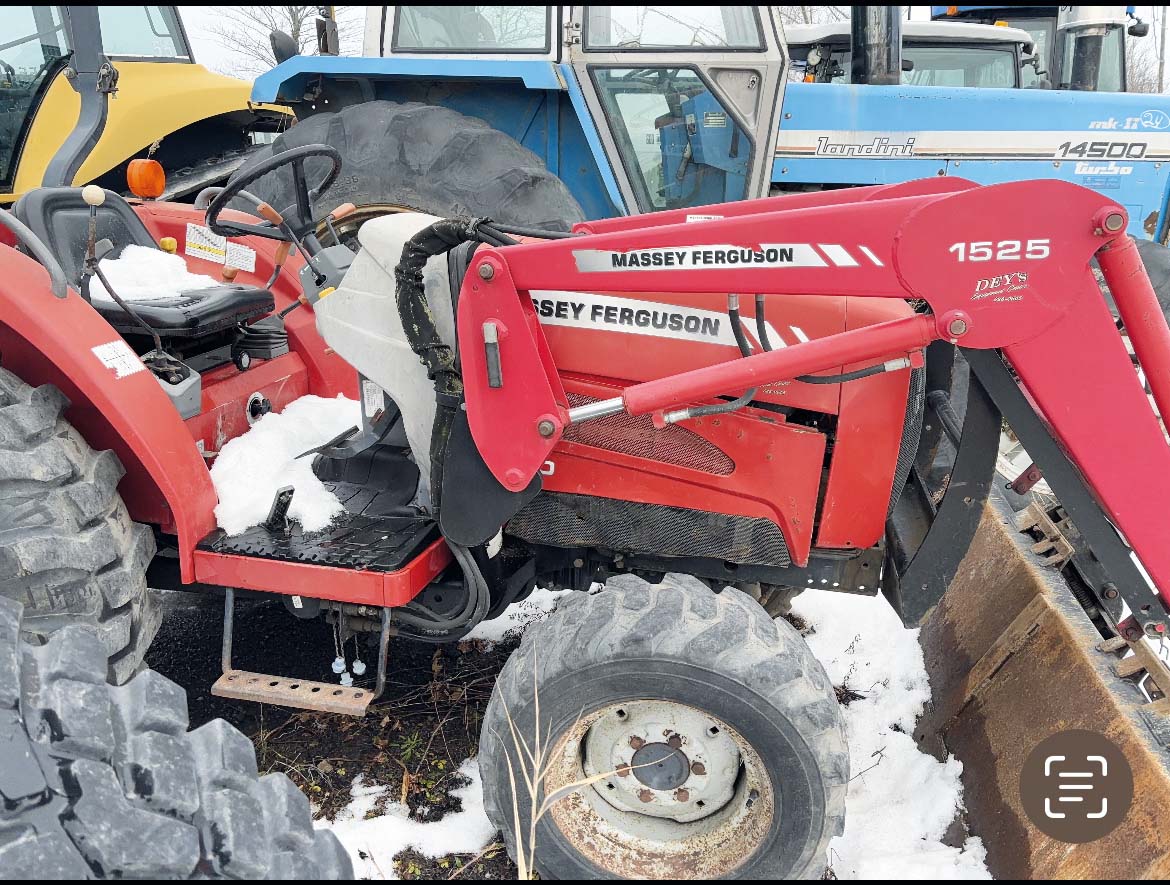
point(60, 217)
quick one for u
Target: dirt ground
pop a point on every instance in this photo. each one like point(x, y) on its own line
point(412, 740)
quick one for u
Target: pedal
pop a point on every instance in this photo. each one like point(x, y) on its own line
point(301, 694)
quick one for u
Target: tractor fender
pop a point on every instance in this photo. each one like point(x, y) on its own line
point(116, 403)
point(155, 100)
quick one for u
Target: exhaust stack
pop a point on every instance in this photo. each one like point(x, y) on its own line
point(876, 44)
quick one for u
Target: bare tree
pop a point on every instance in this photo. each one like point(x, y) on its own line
point(244, 31)
point(1141, 65)
point(813, 15)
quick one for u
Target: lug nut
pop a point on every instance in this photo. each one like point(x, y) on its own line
point(486, 271)
point(636, 742)
point(682, 795)
point(646, 795)
point(698, 768)
point(674, 741)
point(1110, 591)
point(545, 428)
point(623, 771)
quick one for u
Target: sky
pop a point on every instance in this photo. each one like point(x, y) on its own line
point(208, 49)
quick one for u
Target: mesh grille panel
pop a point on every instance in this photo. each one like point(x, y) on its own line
point(628, 527)
point(911, 432)
point(637, 436)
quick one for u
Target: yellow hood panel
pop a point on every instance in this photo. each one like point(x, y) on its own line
point(153, 100)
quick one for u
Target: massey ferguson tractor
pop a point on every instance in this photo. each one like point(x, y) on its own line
point(687, 417)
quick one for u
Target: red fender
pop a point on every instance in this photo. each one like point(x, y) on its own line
point(59, 341)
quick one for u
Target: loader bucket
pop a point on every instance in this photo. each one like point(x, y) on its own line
point(1013, 659)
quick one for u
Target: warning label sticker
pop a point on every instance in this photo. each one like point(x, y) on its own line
point(241, 257)
point(118, 355)
point(372, 399)
point(202, 243)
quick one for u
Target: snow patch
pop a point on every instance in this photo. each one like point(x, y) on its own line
point(901, 800)
point(373, 843)
point(141, 273)
point(518, 615)
point(251, 468)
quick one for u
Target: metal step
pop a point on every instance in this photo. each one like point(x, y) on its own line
point(242, 685)
point(301, 694)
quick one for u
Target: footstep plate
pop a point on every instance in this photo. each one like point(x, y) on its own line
point(299, 693)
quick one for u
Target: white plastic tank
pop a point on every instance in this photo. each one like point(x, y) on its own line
point(360, 322)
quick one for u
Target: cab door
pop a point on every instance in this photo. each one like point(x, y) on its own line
point(686, 98)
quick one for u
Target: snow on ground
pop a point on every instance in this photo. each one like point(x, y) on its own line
point(901, 800)
point(373, 843)
point(518, 615)
point(251, 468)
point(141, 273)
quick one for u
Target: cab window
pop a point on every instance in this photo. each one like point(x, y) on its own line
point(672, 28)
point(678, 144)
point(1076, 69)
point(450, 29)
point(32, 48)
point(142, 32)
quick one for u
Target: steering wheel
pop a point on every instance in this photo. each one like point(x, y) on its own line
point(298, 217)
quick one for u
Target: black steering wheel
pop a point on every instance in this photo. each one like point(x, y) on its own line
point(297, 217)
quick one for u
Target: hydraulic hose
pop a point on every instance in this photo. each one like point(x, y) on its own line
point(745, 349)
point(453, 628)
point(766, 344)
point(419, 324)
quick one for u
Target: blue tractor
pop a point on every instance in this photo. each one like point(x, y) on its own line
point(545, 116)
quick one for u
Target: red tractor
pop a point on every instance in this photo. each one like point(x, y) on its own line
point(581, 409)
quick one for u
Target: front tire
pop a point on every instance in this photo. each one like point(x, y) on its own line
point(737, 759)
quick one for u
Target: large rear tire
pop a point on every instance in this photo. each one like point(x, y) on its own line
point(69, 551)
point(426, 158)
point(751, 768)
point(102, 781)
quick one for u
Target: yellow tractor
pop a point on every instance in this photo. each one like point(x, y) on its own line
point(86, 89)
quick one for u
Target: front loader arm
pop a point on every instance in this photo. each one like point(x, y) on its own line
point(1003, 268)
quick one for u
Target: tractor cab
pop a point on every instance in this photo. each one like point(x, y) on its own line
point(933, 54)
point(1078, 47)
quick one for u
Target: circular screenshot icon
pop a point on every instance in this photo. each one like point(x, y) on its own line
point(1076, 786)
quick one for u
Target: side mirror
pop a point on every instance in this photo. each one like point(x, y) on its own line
point(284, 47)
point(1139, 29)
point(907, 65)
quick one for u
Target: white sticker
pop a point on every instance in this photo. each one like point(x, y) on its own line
point(611, 313)
point(722, 256)
point(119, 356)
point(372, 399)
point(691, 218)
point(241, 257)
point(202, 243)
point(296, 601)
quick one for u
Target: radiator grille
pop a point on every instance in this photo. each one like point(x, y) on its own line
point(911, 433)
point(563, 520)
point(637, 436)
